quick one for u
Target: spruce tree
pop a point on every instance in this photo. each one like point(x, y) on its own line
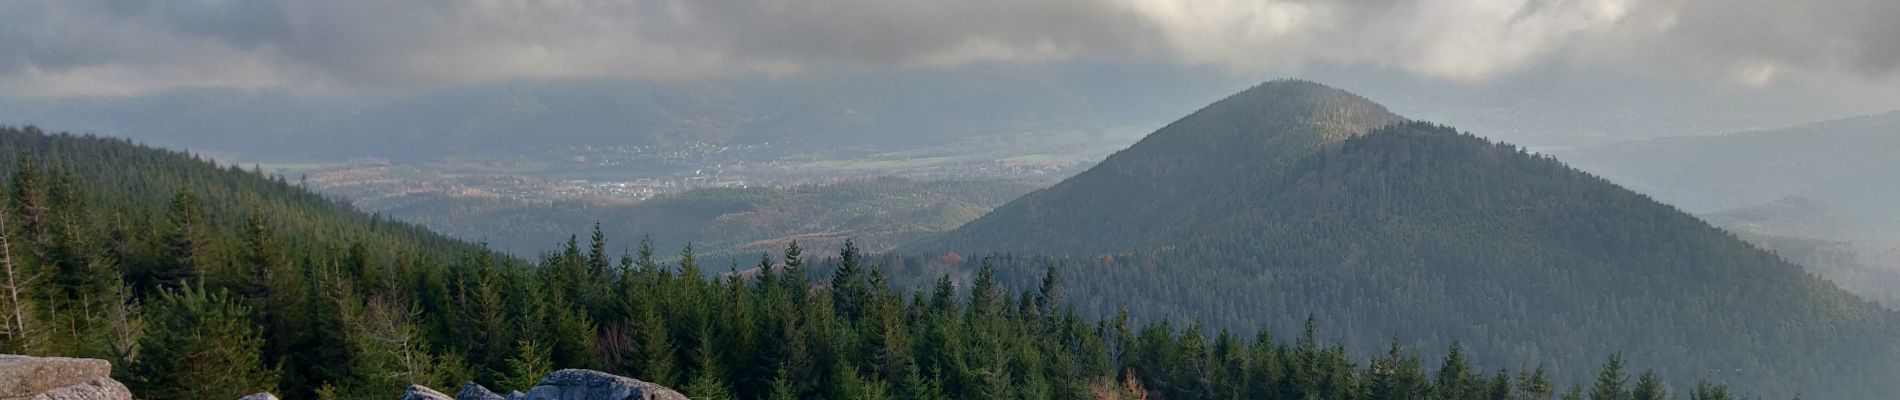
point(1534, 385)
point(597, 254)
point(19, 321)
point(199, 346)
point(1049, 297)
point(709, 382)
point(1454, 377)
point(656, 348)
point(1648, 387)
point(849, 286)
point(527, 367)
point(1500, 387)
point(1707, 391)
point(1612, 383)
point(782, 387)
point(185, 244)
point(985, 296)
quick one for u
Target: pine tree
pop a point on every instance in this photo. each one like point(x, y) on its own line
point(1454, 377)
point(796, 279)
point(645, 262)
point(943, 296)
point(1534, 385)
point(388, 352)
point(985, 295)
point(29, 201)
point(597, 254)
point(1648, 387)
point(1395, 376)
point(656, 347)
point(782, 387)
point(853, 385)
point(527, 367)
point(1611, 383)
point(1707, 391)
point(199, 346)
point(917, 387)
point(263, 260)
point(709, 382)
point(185, 244)
point(1575, 393)
point(18, 322)
point(1050, 295)
point(1500, 388)
point(849, 286)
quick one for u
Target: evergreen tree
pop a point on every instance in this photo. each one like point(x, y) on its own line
point(527, 367)
point(18, 323)
point(186, 244)
point(850, 288)
point(199, 346)
point(709, 382)
point(782, 388)
point(1534, 385)
point(985, 295)
point(1050, 296)
point(1454, 377)
point(656, 348)
point(597, 254)
point(943, 295)
point(263, 261)
point(1648, 387)
point(1707, 391)
point(1395, 376)
point(1575, 393)
point(1612, 383)
point(1500, 388)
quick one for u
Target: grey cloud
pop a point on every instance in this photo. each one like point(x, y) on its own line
point(120, 46)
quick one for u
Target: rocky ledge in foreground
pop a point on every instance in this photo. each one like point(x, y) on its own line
point(58, 378)
point(567, 384)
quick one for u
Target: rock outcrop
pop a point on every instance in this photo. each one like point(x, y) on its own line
point(259, 396)
point(475, 391)
point(58, 378)
point(581, 384)
point(419, 392)
point(567, 384)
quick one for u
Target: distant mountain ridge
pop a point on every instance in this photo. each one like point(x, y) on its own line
point(1293, 198)
point(1850, 163)
point(1263, 128)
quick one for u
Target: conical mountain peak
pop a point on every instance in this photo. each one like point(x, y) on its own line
point(1240, 142)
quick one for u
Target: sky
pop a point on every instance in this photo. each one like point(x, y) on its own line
point(1552, 74)
point(124, 47)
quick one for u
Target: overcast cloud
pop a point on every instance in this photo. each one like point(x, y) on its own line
point(113, 47)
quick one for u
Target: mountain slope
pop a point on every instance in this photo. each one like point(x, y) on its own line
point(1422, 233)
point(1206, 155)
point(1861, 258)
point(286, 292)
point(1848, 163)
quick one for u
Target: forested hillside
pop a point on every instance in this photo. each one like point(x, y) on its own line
point(1861, 256)
point(1180, 176)
point(1419, 232)
point(204, 282)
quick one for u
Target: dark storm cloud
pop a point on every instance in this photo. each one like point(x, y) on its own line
point(121, 46)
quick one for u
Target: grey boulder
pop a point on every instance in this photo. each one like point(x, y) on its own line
point(419, 392)
point(58, 378)
point(581, 384)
